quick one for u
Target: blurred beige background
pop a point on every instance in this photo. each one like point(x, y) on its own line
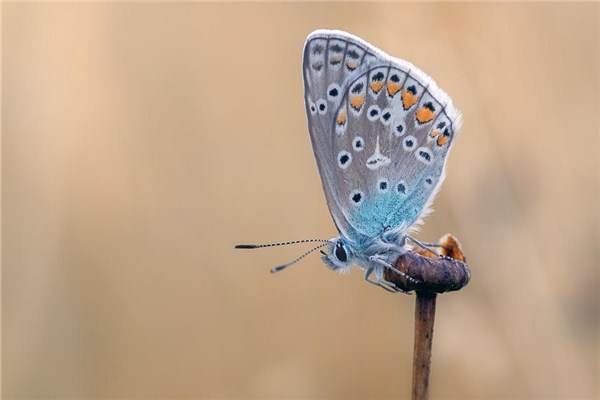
point(142, 141)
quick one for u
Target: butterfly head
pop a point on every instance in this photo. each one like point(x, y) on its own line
point(340, 255)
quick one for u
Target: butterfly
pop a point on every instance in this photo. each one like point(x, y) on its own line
point(381, 130)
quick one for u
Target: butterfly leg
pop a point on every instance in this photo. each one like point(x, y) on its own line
point(379, 260)
point(426, 246)
point(393, 286)
point(368, 274)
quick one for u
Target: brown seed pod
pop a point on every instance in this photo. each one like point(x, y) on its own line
point(433, 274)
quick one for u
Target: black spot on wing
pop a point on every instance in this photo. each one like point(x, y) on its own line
point(425, 155)
point(336, 48)
point(353, 54)
point(358, 88)
point(318, 49)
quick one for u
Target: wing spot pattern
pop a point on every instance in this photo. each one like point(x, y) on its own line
point(399, 130)
point(377, 82)
point(373, 112)
point(322, 106)
point(383, 185)
point(386, 116)
point(377, 160)
point(356, 197)
point(318, 65)
point(424, 155)
point(341, 118)
point(344, 159)
point(409, 143)
point(333, 91)
point(312, 107)
point(401, 188)
point(358, 144)
point(356, 102)
point(352, 60)
point(444, 137)
point(426, 113)
point(409, 97)
point(318, 49)
point(393, 85)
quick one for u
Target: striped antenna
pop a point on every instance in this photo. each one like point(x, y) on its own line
point(282, 267)
point(258, 246)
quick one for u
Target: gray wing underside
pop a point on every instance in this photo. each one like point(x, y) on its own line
point(381, 143)
point(330, 58)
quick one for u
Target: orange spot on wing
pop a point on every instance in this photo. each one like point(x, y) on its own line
point(442, 140)
point(351, 65)
point(376, 86)
point(357, 102)
point(424, 114)
point(341, 119)
point(393, 88)
point(435, 133)
point(408, 99)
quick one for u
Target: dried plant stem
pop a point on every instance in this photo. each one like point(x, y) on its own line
point(424, 319)
point(430, 275)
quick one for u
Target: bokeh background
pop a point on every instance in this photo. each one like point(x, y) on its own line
point(142, 141)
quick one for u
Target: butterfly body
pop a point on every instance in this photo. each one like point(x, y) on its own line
point(343, 253)
point(381, 130)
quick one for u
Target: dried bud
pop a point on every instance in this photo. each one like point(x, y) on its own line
point(433, 274)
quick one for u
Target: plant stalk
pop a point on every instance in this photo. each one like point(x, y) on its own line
point(424, 319)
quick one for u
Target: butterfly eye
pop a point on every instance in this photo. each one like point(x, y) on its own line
point(340, 252)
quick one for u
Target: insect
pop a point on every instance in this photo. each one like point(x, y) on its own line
point(380, 130)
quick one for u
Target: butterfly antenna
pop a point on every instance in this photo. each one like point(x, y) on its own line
point(284, 266)
point(258, 246)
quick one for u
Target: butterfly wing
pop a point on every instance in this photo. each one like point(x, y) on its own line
point(382, 144)
point(330, 59)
